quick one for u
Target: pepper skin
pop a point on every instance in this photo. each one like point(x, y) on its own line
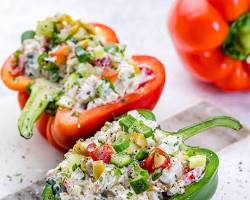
point(206, 186)
point(211, 38)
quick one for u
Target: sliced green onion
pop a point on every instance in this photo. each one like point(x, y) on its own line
point(82, 55)
point(53, 70)
point(42, 59)
point(27, 35)
point(111, 48)
point(121, 144)
point(141, 155)
point(157, 174)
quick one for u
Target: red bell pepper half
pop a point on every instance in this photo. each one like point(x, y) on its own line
point(62, 129)
point(212, 39)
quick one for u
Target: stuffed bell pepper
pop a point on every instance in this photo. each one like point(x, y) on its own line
point(73, 76)
point(133, 158)
point(212, 38)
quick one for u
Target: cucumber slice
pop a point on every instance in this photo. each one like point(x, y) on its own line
point(121, 160)
point(74, 161)
point(46, 28)
point(121, 144)
point(42, 93)
point(139, 185)
point(86, 70)
point(197, 161)
point(99, 51)
point(126, 122)
point(72, 81)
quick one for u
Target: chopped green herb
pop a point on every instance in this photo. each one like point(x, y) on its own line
point(117, 172)
point(74, 167)
point(141, 155)
point(82, 55)
point(157, 174)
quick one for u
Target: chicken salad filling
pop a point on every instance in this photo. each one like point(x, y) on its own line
point(75, 56)
point(130, 158)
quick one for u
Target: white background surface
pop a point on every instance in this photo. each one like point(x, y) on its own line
point(141, 24)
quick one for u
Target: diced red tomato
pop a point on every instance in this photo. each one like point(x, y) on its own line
point(148, 162)
point(110, 74)
point(167, 163)
point(159, 151)
point(103, 152)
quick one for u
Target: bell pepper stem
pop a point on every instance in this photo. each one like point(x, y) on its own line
point(42, 93)
point(237, 43)
point(220, 121)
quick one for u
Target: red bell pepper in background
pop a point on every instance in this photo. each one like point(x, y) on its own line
point(63, 129)
point(212, 37)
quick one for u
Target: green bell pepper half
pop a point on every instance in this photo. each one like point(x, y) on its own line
point(206, 186)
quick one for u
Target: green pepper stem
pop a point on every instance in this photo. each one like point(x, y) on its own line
point(42, 93)
point(220, 121)
point(237, 43)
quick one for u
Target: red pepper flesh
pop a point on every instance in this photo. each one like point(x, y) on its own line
point(199, 30)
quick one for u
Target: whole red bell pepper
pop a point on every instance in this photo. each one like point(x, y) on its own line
point(62, 129)
point(212, 39)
